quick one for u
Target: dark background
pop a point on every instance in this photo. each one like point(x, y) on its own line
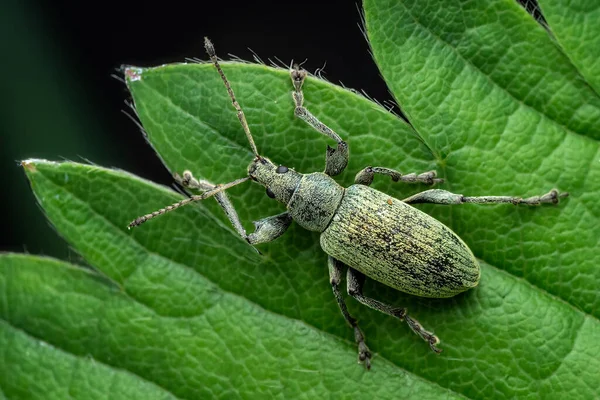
point(59, 101)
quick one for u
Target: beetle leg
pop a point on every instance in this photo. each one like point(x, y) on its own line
point(267, 229)
point(335, 159)
point(335, 277)
point(355, 282)
point(438, 196)
point(188, 181)
point(210, 49)
point(366, 175)
point(270, 228)
point(215, 191)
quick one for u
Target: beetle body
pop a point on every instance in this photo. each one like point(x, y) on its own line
point(398, 245)
point(380, 236)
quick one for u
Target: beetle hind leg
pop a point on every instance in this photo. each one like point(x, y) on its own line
point(355, 282)
point(335, 277)
point(427, 336)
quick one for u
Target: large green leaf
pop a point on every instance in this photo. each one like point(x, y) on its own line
point(458, 73)
point(32, 369)
point(161, 315)
point(496, 109)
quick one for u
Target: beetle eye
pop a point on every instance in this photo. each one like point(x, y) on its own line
point(270, 193)
point(282, 169)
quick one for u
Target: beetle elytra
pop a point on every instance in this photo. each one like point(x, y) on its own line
point(362, 229)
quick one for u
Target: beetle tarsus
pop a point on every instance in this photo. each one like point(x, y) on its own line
point(427, 336)
point(432, 345)
point(366, 175)
point(364, 354)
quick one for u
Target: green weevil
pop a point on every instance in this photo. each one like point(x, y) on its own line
point(362, 229)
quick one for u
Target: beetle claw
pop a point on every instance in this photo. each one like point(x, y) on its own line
point(432, 343)
point(364, 354)
point(365, 359)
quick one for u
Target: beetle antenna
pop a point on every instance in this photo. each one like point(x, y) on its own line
point(205, 195)
point(210, 49)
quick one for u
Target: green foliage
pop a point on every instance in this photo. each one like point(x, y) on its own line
point(575, 24)
point(181, 307)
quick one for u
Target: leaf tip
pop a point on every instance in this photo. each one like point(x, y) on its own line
point(29, 165)
point(131, 73)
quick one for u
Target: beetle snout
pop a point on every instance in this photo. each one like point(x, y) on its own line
point(260, 168)
point(252, 170)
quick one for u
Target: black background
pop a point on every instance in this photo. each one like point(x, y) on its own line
point(61, 102)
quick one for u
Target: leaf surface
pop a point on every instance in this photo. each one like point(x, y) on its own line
point(575, 26)
point(494, 136)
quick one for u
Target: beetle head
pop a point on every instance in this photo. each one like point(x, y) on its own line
point(280, 181)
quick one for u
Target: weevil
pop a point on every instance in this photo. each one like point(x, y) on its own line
point(368, 232)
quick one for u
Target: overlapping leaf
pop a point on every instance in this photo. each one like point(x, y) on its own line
point(496, 132)
point(576, 28)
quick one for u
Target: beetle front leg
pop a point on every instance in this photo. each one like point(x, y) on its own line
point(267, 229)
point(335, 159)
point(355, 282)
point(270, 228)
point(438, 196)
point(335, 277)
point(366, 175)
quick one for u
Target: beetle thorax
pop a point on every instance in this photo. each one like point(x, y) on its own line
point(310, 199)
point(315, 201)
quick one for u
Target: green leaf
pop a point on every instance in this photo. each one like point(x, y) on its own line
point(162, 322)
point(173, 306)
point(497, 136)
point(575, 23)
point(496, 109)
point(33, 369)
